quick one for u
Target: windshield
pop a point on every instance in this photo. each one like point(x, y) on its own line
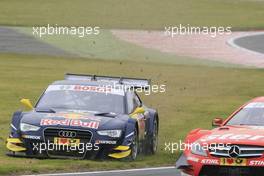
point(251, 115)
point(82, 98)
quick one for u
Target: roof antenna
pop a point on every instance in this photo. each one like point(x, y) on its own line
point(120, 80)
point(93, 78)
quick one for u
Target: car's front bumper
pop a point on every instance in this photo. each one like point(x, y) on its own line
point(27, 148)
point(195, 165)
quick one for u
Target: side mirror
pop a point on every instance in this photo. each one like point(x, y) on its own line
point(138, 110)
point(26, 103)
point(217, 122)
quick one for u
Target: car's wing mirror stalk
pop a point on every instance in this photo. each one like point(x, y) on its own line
point(138, 110)
point(217, 122)
point(27, 104)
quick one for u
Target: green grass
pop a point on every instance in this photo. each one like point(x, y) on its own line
point(194, 96)
point(136, 14)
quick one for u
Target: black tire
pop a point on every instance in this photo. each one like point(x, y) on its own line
point(154, 138)
point(134, 147)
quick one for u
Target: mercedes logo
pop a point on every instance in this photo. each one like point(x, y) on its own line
point(234, 151)
point(69, 134)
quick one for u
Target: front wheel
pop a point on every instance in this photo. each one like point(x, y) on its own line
point(134, 147)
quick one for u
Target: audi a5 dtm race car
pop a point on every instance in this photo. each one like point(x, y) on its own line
point(234, 148)
point(86, 116)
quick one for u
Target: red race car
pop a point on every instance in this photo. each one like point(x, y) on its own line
point(234, 148)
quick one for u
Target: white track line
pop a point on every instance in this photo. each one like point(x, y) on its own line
point(232, 43)
point(100, 172)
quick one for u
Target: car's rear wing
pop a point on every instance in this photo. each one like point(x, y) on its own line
point(130, 82)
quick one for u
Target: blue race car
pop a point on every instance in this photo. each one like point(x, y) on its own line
point(86, 117)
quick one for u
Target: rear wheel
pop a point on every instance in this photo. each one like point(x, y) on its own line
point(154, 138)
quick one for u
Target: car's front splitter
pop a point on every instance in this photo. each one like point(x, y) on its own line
point(120, 152)
point(23, 147)
point(15, 145)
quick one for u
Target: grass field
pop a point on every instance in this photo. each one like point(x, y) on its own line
point(194, 96)
point(150, 14)
point(196, 92)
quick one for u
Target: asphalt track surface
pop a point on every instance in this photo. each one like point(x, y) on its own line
point(252, 42)
point(162, 171)
point(12, 41)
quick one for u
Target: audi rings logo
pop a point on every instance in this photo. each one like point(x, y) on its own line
point(69, 134)
point(234, 151)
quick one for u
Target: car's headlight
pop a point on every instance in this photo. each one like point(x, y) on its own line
point(27, 127)
point(198, 149)
point(110, 133)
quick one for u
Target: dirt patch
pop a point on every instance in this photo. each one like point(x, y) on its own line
point(197, 46)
